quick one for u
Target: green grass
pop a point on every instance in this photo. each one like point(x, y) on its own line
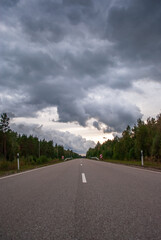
point(7, 168)
point(147, 164)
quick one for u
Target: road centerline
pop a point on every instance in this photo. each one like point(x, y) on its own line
point(84, 178)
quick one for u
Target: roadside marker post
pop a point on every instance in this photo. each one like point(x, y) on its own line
point(101, 156)
point(142, 160)
point(18, 162)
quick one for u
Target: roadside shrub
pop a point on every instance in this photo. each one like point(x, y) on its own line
point(42, 159)
point(30, 159)
point(6, 166)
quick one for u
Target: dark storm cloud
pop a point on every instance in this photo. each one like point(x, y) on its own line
point(96, 125)
point(54, 20)
point(135, 30)
point(57, 53)
point(23, 66)
point(8, 3)
point(92, 63)
point(115, 114)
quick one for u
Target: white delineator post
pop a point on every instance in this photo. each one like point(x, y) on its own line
point(18, 162)
point(142, 160)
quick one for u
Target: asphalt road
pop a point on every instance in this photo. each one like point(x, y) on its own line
point(108, 201)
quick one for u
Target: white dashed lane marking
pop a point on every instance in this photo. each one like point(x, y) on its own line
point(84, 178)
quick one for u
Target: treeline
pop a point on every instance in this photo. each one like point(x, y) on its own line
point(30, 148)
point(145, 136)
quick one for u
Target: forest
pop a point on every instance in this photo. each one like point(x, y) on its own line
point(31, 150)
point(143, 136)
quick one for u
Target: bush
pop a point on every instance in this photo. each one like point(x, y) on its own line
point(6, 166)
point(30, 159)
point(42, 159)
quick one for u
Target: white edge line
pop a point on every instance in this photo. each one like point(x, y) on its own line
point(27, 171)
point(141, 169)
point(84, 178)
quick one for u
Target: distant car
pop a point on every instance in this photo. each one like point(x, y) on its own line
point(66, 159)
point(95, 158)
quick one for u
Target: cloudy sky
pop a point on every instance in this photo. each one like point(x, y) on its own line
point(79, 71)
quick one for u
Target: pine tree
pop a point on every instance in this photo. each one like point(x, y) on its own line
point(4, 128)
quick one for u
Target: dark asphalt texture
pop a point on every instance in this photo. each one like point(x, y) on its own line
point(116, 203)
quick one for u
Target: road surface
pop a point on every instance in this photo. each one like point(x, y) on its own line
point(81, 200)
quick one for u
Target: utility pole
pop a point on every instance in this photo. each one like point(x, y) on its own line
point(39, 148)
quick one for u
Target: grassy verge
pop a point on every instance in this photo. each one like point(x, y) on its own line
point(150, 165)
point(7, 168)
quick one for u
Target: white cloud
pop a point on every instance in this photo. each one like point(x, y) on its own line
point(67, 139)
